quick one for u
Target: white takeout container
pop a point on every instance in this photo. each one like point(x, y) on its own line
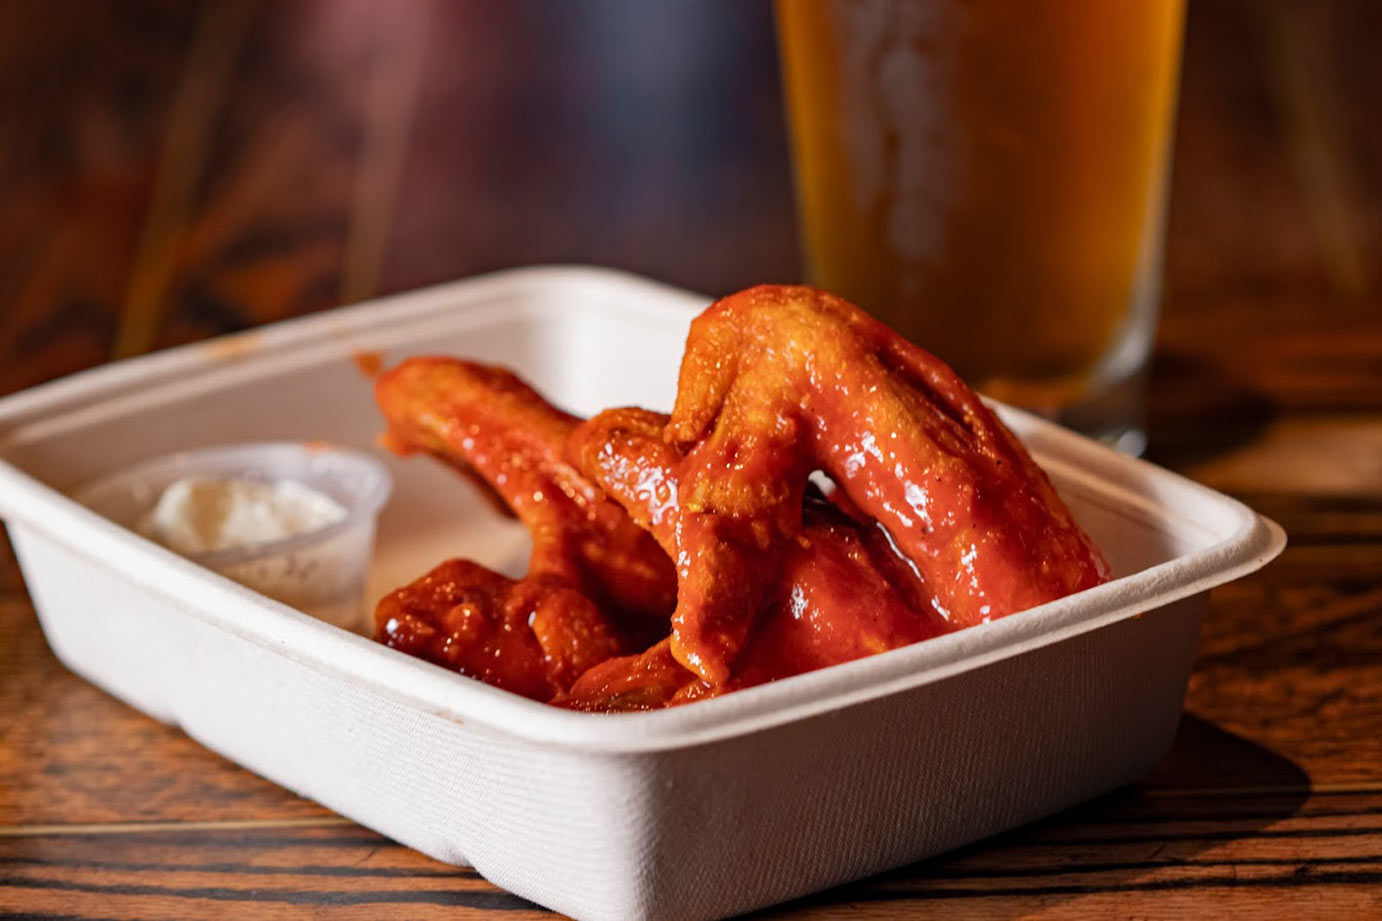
point(696, 812)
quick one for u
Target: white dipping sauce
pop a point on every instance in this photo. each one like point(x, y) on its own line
point(203, 514)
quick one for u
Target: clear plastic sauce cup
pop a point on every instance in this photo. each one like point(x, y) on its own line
point(319, 571)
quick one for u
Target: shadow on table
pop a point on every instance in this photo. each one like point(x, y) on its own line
point(1196, 413)
point(1205, 758)
point(1212, 786)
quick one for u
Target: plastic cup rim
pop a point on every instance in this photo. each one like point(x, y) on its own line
point(362, 508)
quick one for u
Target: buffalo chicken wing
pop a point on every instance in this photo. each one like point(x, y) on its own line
point(707, 523)
point(841, 592)
point(597, 584)
point(780, 381)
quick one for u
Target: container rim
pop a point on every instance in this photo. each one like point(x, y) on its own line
point(1247, 541)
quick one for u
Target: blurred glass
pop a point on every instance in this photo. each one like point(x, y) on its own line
point(989, 177)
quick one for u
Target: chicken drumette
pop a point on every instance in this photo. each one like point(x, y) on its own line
point(597, 584)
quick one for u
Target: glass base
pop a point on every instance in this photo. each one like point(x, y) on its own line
point(1130, 440)
point(1112, 414)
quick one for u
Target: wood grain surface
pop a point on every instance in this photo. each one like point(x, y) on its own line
point(171, 171)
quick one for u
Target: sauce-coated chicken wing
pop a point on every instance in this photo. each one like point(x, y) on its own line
point(779, 381)
point(597, 584)
point(487, 422)
point(939, 518)
point(841, 591)
point(531, 636)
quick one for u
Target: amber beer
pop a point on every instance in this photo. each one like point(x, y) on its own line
point(988, 176)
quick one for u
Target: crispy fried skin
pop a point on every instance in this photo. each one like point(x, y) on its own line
point(530, 636)
point(778, 381)
point(649, 680)
point(488, 422)
point(941, 519)
point(636, 467)
point(597, 584)
point(841, 593)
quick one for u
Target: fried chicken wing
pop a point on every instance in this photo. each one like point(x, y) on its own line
point(487, 422)
point(649, 680)
point(639, 470)
point(779, 381)
point(530, 636)
point(841, 591)
point(939, 518)
point(597, 584)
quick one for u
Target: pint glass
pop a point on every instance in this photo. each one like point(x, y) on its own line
point(989, 177)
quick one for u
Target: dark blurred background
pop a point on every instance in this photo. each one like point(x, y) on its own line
point(173, 170)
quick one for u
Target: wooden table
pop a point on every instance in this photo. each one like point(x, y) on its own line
point(170, 171)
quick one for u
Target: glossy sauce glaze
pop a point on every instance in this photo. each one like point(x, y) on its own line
point(594, 577)
point(678, 558)
point(779, 381)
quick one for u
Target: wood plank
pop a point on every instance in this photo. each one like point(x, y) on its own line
point(1240, 851)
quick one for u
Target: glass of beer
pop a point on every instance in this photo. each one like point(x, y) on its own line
point(989, 177)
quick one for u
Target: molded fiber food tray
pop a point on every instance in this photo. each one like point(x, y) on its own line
point(696, 812)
